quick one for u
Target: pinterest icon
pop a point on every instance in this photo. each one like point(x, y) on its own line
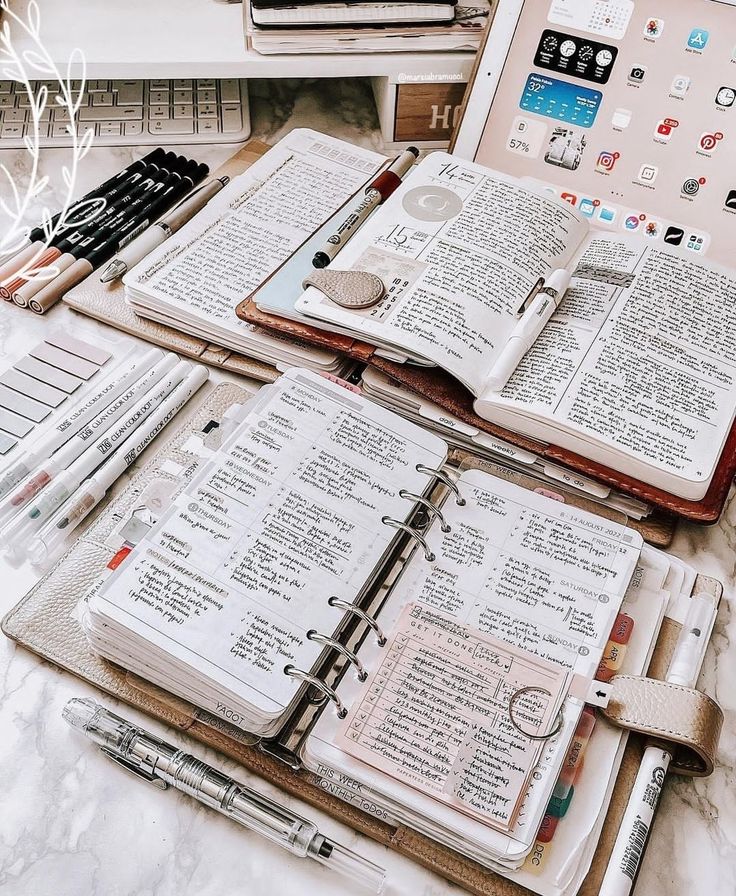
point(709, 141)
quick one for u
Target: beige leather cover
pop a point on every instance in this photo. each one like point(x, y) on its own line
point(106, 302)
point(670, 712)
point(44, 622)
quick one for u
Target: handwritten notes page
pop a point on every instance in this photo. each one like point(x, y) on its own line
point(458, 247)
point(198, 276)
point(638, 366)
point(232, 579)
point(540, 576)
point(435, 713)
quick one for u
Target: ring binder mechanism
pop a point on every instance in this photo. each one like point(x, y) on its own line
point(340, 648)
point(432, 508)
point(361, 614)
point(528, 690)
point(445, 479)
point(417, 536)
point(330, 693)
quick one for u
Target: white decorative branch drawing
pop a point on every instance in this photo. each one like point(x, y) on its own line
point(33, 68)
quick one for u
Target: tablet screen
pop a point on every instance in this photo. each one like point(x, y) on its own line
point(625, 109)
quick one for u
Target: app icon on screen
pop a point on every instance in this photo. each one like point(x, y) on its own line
point(632, 222)
point(569, 197)
point(664, 129)
point(607, 161)
point(652, 230)
point(695, 242)
point(587, 207)
point(674, 236)
point(648, 174)
point(725, 97)
point(698, 39)
point(680, 85)
point(607, 215)
point(691, 187)
point(654, 28)
point(637, 74)
point(731, 200)
point(709, 141)
point(621, 118)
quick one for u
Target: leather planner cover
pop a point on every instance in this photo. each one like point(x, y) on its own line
point(45, 622)
point(439, 387)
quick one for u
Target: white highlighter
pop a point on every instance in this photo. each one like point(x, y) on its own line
point(527, 330)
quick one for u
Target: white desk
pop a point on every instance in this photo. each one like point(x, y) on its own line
point(72, 824)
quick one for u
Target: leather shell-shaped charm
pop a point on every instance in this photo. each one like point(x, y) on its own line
point(351, 289)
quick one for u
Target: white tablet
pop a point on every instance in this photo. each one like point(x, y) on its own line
point(625, 108)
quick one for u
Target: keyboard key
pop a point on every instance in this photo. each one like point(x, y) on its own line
point(130, 93)
point(232, 118)
point(108, 129)
point(158, 96)
point(230, 90)
point(95, 85)
point(159, 84)
point(22, 100)
point(102, 99)
point(183, 96)
point(110, 113)
point(12, 130)
point(6, 86)
point(7, 101)
point(133, 128)
point(158, 112)
point(183, 110)
point(182, 84)
point(207, 126)
point(206, 96)
point(206, 110)
point(45, 115)
point(61, 114)
point(172, 126)
point(14, 116)
point(206, 83)
point(59, 130)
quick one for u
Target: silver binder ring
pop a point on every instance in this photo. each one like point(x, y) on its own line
point(321, 686)
point(443, 477)
point(361, 614)
point(431, 508)
point(528, 690)
point(403, 527)
point(340, 648)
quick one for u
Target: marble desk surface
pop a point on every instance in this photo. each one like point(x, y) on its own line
point(72, 824)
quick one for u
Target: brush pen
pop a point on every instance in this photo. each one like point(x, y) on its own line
point(65, 249)
point(104, 251)
point(53, 465)
point(127, 192)
point(87, 462)
point(93, 490)
point(151, 238)
point(380, 188)
point(77, 419)
point(37, 236)
point(163, 765)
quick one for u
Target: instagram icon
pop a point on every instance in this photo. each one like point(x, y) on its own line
point(606, 161)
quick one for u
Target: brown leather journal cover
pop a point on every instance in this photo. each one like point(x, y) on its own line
point(439, 387)
point(45, 623)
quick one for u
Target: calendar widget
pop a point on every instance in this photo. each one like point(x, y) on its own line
point(608, 18)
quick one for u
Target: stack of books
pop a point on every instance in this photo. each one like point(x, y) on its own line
point(355, 26)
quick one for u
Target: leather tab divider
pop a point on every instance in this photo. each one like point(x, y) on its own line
point(676, 715)
point(351, 289)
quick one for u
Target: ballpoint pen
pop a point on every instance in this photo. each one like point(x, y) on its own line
point(547, 297)
point(163, 765)
point(378, 191)
point(636, 824)
point(151, 238)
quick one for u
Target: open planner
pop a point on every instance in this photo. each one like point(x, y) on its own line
point(447, 697)
point(194, 280)
point(634, 370)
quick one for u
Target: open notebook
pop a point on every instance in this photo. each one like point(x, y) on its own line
point(251, 581)
point(194, 280)
point(635, 370)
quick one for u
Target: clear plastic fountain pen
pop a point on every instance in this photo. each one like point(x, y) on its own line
point(163, 764)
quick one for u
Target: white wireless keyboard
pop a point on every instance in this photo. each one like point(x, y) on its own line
point(162, 111)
